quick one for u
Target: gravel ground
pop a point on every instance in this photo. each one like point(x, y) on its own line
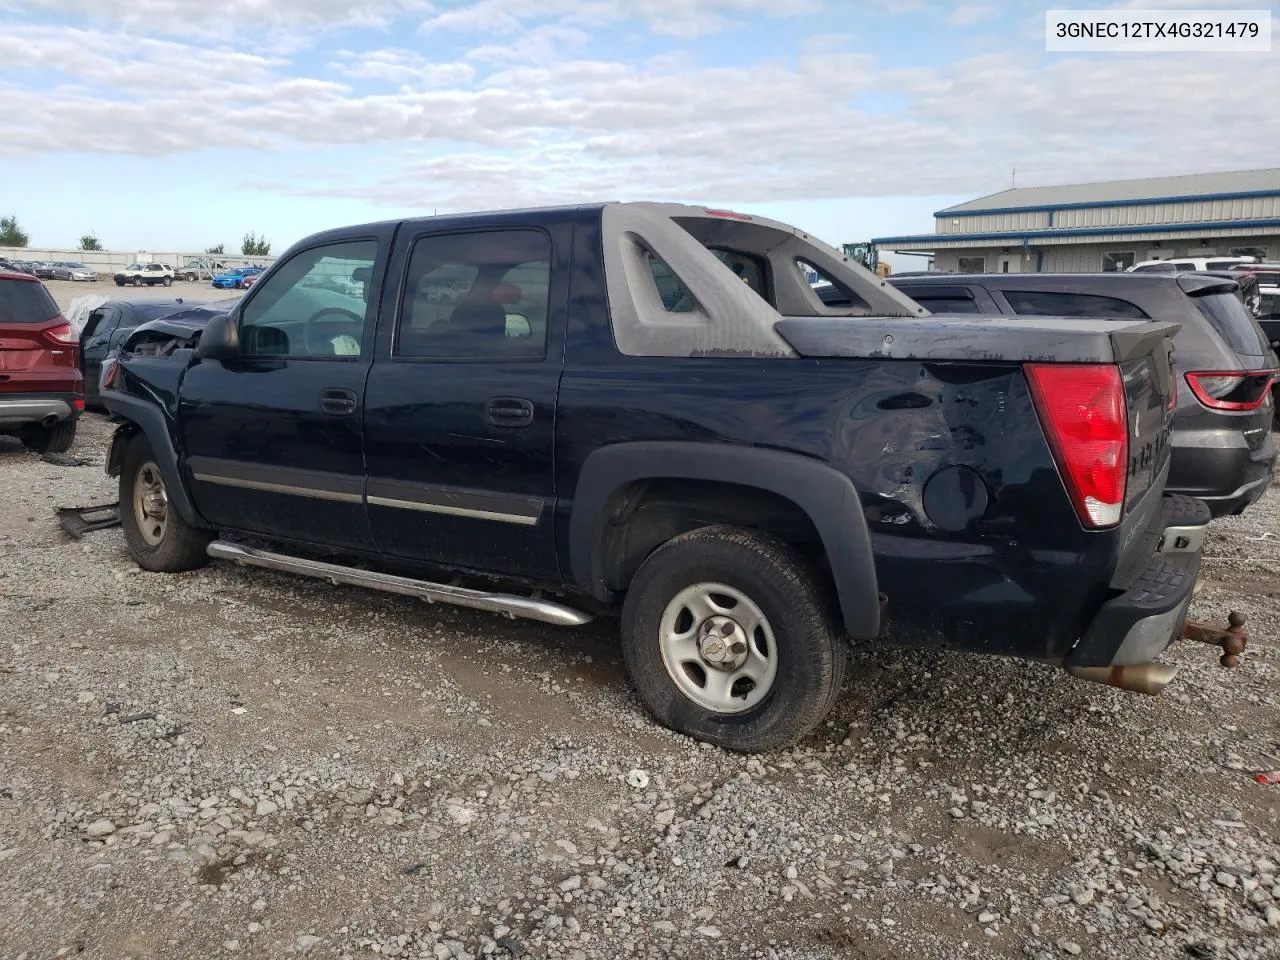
point(236, 763)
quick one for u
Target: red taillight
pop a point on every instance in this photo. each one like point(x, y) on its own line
point(62, 333)
point(78, 403)
point(1232, 389)
point(1082, 410)
point(107, 380)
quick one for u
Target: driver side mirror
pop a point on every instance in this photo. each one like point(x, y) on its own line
point(221, 339)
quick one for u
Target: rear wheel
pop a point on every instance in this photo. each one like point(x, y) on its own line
point(55, 439)
point(158, 537)
point(730, 637)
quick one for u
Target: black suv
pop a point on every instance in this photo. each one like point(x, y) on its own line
point(1223, 450)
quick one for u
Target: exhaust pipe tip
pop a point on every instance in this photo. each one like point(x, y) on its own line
point(50, 420)
point(1148, 678)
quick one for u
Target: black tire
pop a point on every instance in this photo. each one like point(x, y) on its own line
point(137, 281)
point(168, 281)
point(55, 439)
point(167, 545)
point(119, 283)
point(810, 647)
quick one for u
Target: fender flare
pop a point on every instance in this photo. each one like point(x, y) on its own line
point(150, 420)
point(828, 497)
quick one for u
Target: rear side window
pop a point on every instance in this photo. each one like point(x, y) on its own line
point(22, 301)
point(1046, 304)
point(1156, 268)
point(1227, 315)
point(945, 304)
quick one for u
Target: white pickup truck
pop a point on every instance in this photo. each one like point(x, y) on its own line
point(136, 274)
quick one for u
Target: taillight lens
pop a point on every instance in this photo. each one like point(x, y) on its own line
point(1082, 410)
point(62, 333)
point(107, 380)
point(1232, 390)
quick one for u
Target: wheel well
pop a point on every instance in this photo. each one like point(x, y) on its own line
point(643, 515)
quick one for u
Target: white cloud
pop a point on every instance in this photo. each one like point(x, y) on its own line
point(677, 18)
point(967, 14)
point(185, 17)
point(400, 66)
point(501, 130)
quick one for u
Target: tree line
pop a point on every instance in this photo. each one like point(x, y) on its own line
point(12, 235)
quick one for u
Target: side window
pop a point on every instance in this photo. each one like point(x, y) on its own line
point(314, 306)
point(1044, 304)
point(476, 296)
point(675, 295)
point(946, 304)
point(95, 324)
point(830, 291)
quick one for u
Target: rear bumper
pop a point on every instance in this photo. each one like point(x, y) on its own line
point(21, 411)
point(1139, 624)
point(1223, 472)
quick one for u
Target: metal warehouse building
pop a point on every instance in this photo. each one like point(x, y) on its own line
point(1089, 227)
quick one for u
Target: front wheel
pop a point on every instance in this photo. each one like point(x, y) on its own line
point(52, 439)
point(168, 281)
point(158, 537)
point(745, 652)
point(137, 281)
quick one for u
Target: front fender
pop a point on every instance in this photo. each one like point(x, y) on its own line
point(827, 496)
point(146, 418)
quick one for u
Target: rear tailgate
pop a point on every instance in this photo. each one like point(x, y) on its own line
point(31, 359)
point(1143, 351)
point(1150, 398)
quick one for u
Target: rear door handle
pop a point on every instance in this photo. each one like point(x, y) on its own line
point(338, 402)
point(509, 411)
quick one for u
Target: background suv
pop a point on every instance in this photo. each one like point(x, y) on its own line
point(1223, 450)
point(41, 391)
point(136, 274)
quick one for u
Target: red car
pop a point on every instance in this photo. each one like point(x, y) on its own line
point(41, 388)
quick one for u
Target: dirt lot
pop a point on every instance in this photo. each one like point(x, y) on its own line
point(235, 763)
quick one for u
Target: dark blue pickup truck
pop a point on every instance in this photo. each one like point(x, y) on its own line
point(644, 410)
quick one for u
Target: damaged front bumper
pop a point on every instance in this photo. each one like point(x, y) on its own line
point(1129, 631)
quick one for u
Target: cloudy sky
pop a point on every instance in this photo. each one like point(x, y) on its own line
point(163, 124)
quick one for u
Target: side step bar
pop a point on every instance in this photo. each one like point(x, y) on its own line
point(527, 608)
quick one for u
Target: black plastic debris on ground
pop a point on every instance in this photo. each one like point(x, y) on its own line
point(77, 521)
point(63, 460)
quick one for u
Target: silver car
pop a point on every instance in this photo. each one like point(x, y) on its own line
point(71, 270)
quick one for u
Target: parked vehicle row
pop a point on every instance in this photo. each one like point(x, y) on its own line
point(65, 270)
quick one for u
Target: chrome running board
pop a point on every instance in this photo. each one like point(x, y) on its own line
point(526, 608)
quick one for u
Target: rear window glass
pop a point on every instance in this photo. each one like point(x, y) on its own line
point(1047, 304)
point(22, 301)
point(1227, 315)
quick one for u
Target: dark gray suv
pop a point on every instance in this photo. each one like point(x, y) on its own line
point(1223, 449)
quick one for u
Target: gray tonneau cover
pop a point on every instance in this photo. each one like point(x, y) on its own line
point(995, 339)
